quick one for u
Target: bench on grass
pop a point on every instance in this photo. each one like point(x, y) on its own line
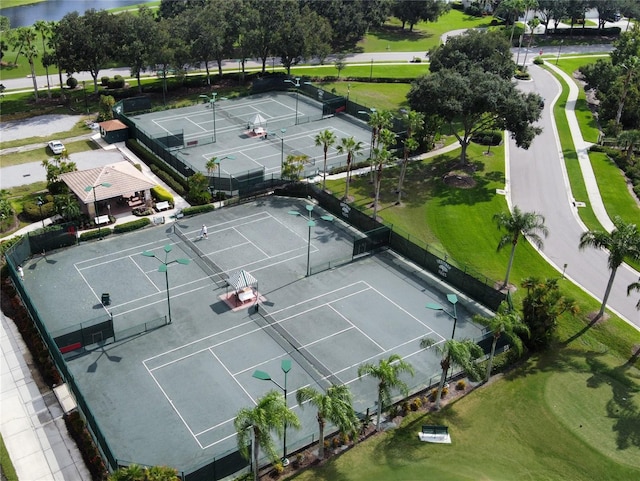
point(435, 434)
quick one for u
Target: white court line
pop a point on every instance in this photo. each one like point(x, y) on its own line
point(252, 243)
point(173, 407)
point(356, 328)
point(91, 289)
point(93, 259)
point(145, 274)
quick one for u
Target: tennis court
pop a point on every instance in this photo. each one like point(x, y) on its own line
point(169, 396)
point(228, 131)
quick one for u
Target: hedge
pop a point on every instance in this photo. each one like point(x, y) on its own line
point(31, 209)
point(130, 226)
point(95, 234)
point(198, 209)
point(159, 168)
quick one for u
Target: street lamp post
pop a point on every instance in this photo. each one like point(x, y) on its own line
point(559, 50)
point(453, 299)
point(95, 201)
point(40, 204)
point(310, 223)
point(364, 112)
point(163, 268)
point(212, 103)
point(285, 365)
point(297, 84)
point(282, 131)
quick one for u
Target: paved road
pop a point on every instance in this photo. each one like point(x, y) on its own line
point(538, 182)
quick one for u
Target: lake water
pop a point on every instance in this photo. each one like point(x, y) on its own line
point(27, 15)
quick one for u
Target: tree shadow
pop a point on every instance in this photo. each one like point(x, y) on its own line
point(621, 407)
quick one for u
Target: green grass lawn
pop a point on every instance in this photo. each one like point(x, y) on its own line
point(8, 471)
point(425, 35)
point(586, 119)
point(526, 426)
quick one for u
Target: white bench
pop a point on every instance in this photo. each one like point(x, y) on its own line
point(246, 294)
point(160, 206)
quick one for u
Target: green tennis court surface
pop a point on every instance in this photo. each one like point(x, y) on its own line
point(229, 132)
point(169, 396)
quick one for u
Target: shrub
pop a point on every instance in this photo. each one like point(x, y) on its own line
point(299, 459)
point(104, 80)
point(31, 209)
point(130, 226)
point(538, 61)
point(278, 468)
point(141, 211)
point(116, 83)
point(160, 194)
point(95, 234)
point(460, 385)
point(416, 404)
point(72, 82)
point(433, 394)
point(474, 10)
point(487, 137)
point(445, 391)
point(198, 209)
point(406, 407)
point(336, 442)
point(88, 449)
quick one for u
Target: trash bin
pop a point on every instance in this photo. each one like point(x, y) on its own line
point(106, 299)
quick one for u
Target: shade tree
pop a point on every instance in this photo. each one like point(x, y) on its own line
point(477, 101)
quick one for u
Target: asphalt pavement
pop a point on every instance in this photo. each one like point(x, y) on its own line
point(538, 182)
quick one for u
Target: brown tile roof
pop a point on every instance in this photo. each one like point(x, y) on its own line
point(122, 177)
point(111, 125)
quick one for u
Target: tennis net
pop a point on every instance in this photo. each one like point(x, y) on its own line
point(236, 120)
point(216, 274)
point(310, 363)
point(281, 145)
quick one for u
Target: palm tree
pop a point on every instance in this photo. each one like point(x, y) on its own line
point(459, 353)
point(506, 322)
point(517, 223)
point(621, 242)
point(25, 41)
point(629, 139)
point(351, 147)
point(382, 157)
point(634, 286)
point(269, 414)
point(335, 406)
point(413, 122)
point(45, 29)
point(211, 165)
point(326, 138)
point(387, 372)
point(378, 120)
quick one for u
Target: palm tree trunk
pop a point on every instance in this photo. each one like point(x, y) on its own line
point(441, 384)
point(324, 171)
point(606, 294)
point(506, 278)
point(254, 451)
point(379, 410)
point(321, 439)
point(403, 172)
point(490, 363)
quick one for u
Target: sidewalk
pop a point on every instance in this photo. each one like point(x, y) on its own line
point(582, 149)
point(31, 421)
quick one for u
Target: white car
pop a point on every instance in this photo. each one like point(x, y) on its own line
point(56, 147)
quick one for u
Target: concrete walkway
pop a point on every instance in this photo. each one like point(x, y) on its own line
point(31, 421)
point(582, 149)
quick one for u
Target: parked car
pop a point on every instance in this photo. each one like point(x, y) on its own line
point(56, 147)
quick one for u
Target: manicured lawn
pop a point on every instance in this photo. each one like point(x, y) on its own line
point(574, 172)
point(425, 35)
point(526, 426)
point(586, 119)
point(38, 155)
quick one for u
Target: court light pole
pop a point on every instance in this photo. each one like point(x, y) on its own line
point(212, 103)
point(40, 204)
point(285, 365)
point(95, 201)
point(310, 223)
point(218, 162)
point(453, 299)
point(297, 84)
point(164, 268)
